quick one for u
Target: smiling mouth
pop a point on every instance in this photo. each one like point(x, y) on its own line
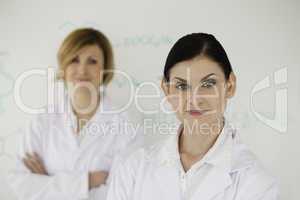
point(81, 80)
point(196, 112)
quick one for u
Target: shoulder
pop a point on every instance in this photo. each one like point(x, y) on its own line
point(41, 121)
point(252, 177)
point(122, 122)
point(41, 124)
point(143, 156)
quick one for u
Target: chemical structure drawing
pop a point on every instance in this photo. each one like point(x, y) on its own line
point(9, 144)
point(6, 81)
point(150, 40)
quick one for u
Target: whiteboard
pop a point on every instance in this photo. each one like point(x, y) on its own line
point(261, 38)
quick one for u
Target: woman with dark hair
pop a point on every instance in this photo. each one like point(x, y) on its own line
point(204, 159)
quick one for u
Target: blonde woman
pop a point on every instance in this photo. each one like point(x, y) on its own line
point(69, 155)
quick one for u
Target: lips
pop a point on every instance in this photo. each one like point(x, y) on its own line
point(196, 112)
point(81, 80)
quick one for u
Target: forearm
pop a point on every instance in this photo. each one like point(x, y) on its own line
point(62, 185)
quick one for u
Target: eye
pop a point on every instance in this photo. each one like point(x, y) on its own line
point(75, 60)
point(209, 83)
point(182, 86)
point(92, 61)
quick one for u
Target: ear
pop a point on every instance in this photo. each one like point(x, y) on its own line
point(231, 85)
point(164, 86)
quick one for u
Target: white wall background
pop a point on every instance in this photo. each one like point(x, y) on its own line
point(260, 36)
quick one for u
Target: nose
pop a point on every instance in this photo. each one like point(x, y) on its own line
point(194, 99)
point(82, 69)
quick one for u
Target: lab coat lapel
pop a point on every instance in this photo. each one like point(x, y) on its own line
point(164, 180)
point(98, 126)
point(69, 129)
point(169, 165)
point(220, 165)
point(167, 180)
point(214, 183)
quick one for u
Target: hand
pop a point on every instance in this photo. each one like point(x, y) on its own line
point(97, 178)
point(35, 164)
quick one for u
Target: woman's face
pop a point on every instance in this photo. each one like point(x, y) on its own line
point(198, 90)
point(86, 67)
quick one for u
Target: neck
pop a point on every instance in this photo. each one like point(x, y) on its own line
point(196, 139)
point(84, 107)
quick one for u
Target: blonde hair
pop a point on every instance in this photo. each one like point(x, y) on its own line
point(80, 38)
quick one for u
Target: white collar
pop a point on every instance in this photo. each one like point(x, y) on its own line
point(219, 155)
point(99, 117)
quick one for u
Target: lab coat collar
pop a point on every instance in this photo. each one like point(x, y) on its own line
point(99, 119)
point(228, 152)
point(218, 160)
point(226, 157)
point(219, 155)
point(71, 117)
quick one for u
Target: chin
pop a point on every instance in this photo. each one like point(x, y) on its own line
point(205, 118)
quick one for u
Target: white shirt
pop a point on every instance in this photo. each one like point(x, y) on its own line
point(229, 171)
point(68, 158)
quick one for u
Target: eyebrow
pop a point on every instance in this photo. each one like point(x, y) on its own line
point(205, 77)
point(94, 56)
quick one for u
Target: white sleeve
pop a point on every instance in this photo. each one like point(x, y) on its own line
point(270, 193)
point(121, 184)
point(99, 193)
point(257, 184)
point(125, 144)
point(29, 186)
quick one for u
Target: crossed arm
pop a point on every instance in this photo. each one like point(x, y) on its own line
point(35, 164)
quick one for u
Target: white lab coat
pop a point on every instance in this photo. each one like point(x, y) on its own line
point(229, 171)
point(68, 158)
